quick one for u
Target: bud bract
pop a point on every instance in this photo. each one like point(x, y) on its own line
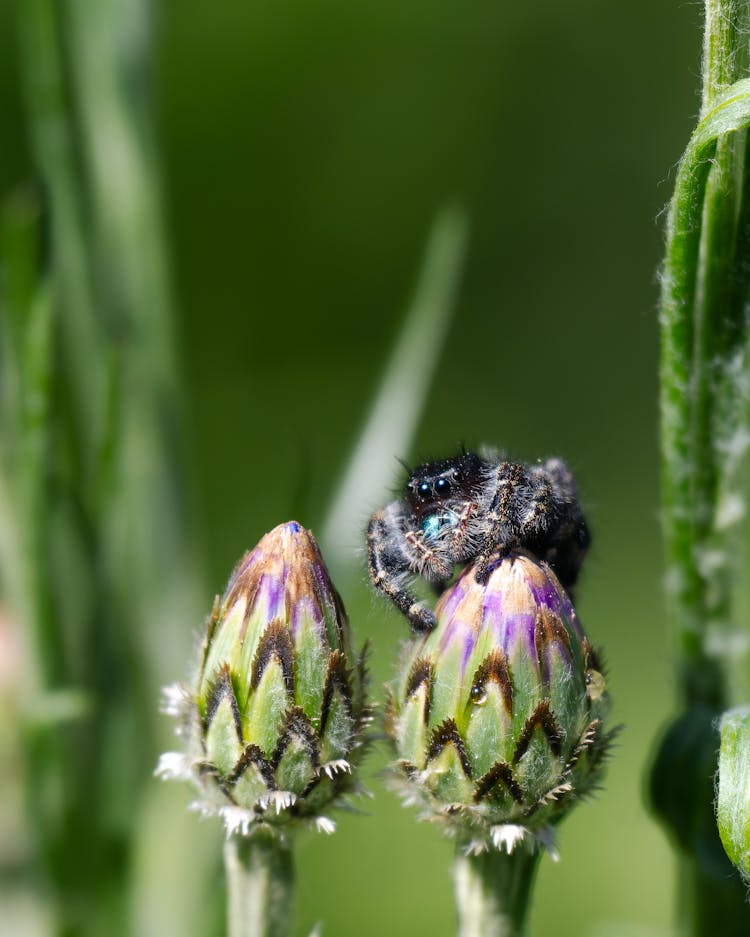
point(498, 713)
point(276, 718)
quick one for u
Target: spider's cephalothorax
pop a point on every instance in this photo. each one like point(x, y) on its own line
point(469, 508)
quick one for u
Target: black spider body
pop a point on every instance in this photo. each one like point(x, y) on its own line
point(468, 508)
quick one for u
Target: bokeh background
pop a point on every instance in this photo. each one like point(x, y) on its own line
point(305, 151)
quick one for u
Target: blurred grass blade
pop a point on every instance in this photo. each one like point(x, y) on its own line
point(146, 529)
point(26, 340)
point(24, 373)
point(19, 263)
point(148, 541)
point(55, 155)
point(394, 416)
point(32, 481)
point(115, 563)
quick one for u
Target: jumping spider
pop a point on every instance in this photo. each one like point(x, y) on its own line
point(469, 508)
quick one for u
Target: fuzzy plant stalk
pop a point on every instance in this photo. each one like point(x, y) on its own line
point(260, 886)
point(704, 385)
point(498, 721)
point(493, 892)
point(274, 723)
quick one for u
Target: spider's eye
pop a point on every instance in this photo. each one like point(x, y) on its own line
point(442, 486)
point(423, 488)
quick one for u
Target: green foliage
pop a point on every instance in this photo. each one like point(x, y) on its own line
point(733, 789)
point(705, 435)
point(299, 201)
point(93, 506)
point(704, 339)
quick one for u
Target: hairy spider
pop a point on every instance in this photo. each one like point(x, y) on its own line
point(468, 508)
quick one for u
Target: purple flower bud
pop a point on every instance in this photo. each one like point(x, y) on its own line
point(277, 717)
point(498, 714)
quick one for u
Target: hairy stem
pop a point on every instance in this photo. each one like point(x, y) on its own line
point(724, 59)
point(705, 289)
point(493, 892)
point(704, 334)
point(260, 881)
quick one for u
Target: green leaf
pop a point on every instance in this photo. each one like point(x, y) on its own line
point(733, 801)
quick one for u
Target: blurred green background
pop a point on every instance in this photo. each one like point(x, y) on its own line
point(305, 151)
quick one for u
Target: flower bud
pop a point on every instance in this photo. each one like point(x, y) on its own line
point(276, 719)
point(498, 714)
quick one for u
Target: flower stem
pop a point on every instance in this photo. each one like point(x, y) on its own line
point(704, 373)
point(704, 335)
point(260, 883)
point(493, 891)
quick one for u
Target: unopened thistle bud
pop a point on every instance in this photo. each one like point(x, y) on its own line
point(498, 714)
point(276, 718)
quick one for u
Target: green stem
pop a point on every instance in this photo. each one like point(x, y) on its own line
point(493, 891)
point(705, 289)
point(260, 882)
point(723, 54)
point(719, 336)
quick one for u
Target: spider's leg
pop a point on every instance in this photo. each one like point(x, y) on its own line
point(430, 563)
point(389, 564)
point(470, 508)
point(561, 477)
point(420, 547)
point(568, 536)
point(540, 509)
point(504, 515)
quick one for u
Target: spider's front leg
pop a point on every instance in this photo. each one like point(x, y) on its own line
point(427, 561)
point(460, 545)
point(513, 507)
point(390, 558)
